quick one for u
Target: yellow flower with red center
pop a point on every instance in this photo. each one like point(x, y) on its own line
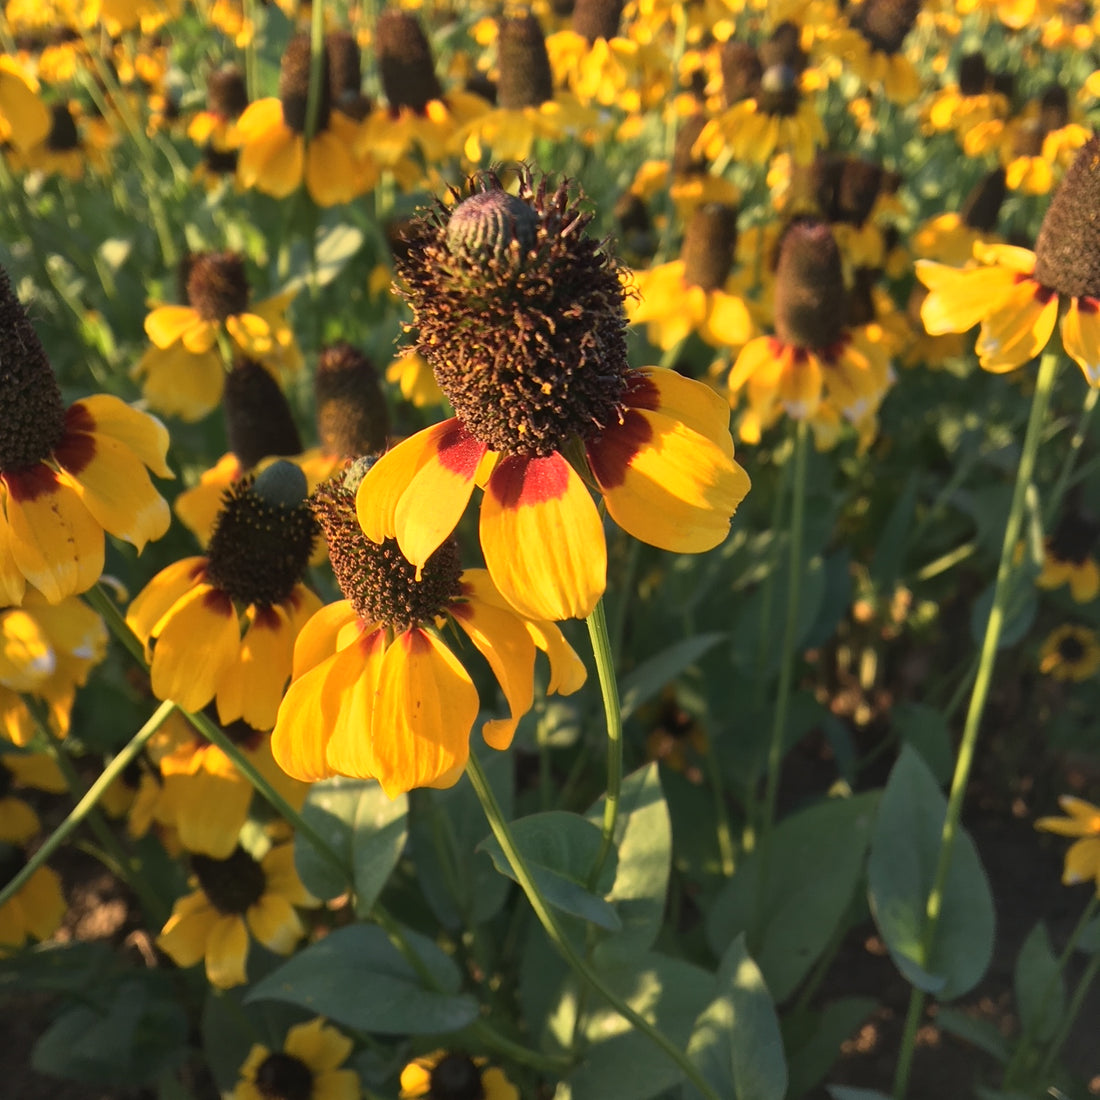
point(1017, 295)
point(307, 1067)
point(376, 691)
point(236, 899)
point(222, 627)
point(1083, 822)
point(521, 315)
point(444, 1074)
point(67, 475)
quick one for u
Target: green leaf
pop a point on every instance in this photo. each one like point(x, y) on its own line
point(835, 602)
point(645, 681)
point(333, 248)
point(925, 729)
point(901, 870)
point(56, 968)
point(1040, 988)
point(1019, 611)
point(1089, 940)
point(377, 841)
point(846, 1092)
point(813, 1040)
point(643, 836)
point(735, 1042)
point(893, 538)
point(984, 1034)
point(229, 1030)
point(330, 808)
point(560, 850)
point(816, 862)
point(357, 977)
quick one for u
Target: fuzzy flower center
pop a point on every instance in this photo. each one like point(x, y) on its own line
point(217, 286)
point(455, 1077)
point(1067, 253)
point(810, 299)
point(258, 419)
point(352, 418)
point(1071, 649)
point(233, 885)
point(520, 314)
point(283, 1077)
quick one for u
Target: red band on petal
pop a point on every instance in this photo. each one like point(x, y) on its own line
point(1088, 305)
point(414, 641)
point(219, 602)
point(518, 480)
point(266, 617)
point(611, 452)
point(75, 451)
point(458, 450)
point(641, 392)
point(30, 484)
point(79, 419)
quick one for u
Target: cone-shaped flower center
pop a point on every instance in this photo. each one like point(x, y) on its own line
point(455, 1077)
point(226, 93)
point(345, 66)
point(405, 61)
point(283, 1077)
point(1067, 253)
point(742, 71)
point(1053, 108)
point(217, 286)
point(525, 334)
point(233, 885)
point(258, 419)
point(983, 205)
point(525, 77)
point(294, 85)
point(885, 23)
point(352, 418)
point(594, 19)
point(377, 578)
point(33, 418)
point(858, 187)
point(1070, 649)
point(63, 136)
point(778, 94)
point(973, 74)
point(1074, 538)
point(709, 243)
point(263, 537)
point(784, 48)
point(809, 287)
point(684, 160)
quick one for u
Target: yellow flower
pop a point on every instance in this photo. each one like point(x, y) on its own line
point(235, 897)
point(1068, 558)
point(1083, 858)
point(24, 119)
point(444, 1074)
point(67, 476)
point(36, 910)
point(307, 1067)
point(223, 626)
point(1070, 653)
point(376, 692)
point(1016, 295)
point(413, 376)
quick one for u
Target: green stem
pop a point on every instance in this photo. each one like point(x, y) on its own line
point(605, 668)
point(1044, 385)
point(1072, 1011)
point(1055, 499)
point(86, 804)
point(549, 922)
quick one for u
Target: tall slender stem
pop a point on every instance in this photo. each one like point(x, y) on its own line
point(1044, 385)
point(549, 922)
point(605, 668)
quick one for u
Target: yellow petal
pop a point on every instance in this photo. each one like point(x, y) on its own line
point(1081, 336)
point(330, 171)
point(141, 433)
point(316, 641)
point(227, 953)
point(306, 717)
point(1018, 329)
point(275, 924)
point(960, 299)
point(543, 539)
point(168, 586)
point(350, 749)
point(697, 405)
point(27, 655)
point(319, 1046)
point(252, 688)
point(1082, 862)
point(178, 383)
point(167, 324)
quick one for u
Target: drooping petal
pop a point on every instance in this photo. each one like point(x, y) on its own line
point(542, 538)
point(185, 935)
point(27, 655)
point(503, 641)
point(253, 687)
point(143, 434)
point(350, 749)
point(209, 810)
point(12, 582)
point(316, 640)
point(425, 707)
point(330, 170)
point(387, 480)
point(1082, 862)
point(251, 333)
point(55, 541)
point(196, 641)
point(166, 325)
point(1081, 336)
point(179, 383)
point(168, 586)
point(695, 404)
point(275, 924)
point(665, 483)
point(272, 161)
point(759, 354)
point(1018, 329)
point(958, 299)
point(318, 1045)
point(227, 953)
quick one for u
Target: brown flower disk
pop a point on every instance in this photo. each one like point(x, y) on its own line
point(810, 300)
point(1067, 253)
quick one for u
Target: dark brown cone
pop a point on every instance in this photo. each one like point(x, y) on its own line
point(33, 418)
point(1067, 253)
point(594, 19)
point(1005, 84)
point(345, 66)
point(742, 71)
point(352, 418)
point(860, 302)
point(258, 420)
point(973, 74)
point(481, 85)
point(1074, 539)
point(1053, 109)
point(1028, 140)
point(63, 136)
point(281, 1076)
point(525, 76)
point(405, 61)
point(784, 47)
point(219, 162)
point(294, 85)
point(378, 580)
point(778, 93)
point(217, 286)
point(226, 93)
point(456, 1077)
point(859, 186)
point(635, 227)
point(234, 884)
point(983, 205)
point(885, 23)
point(809, 287)
point(490, 225)
point(263, 536)
point(709, 244)
point(684, 161)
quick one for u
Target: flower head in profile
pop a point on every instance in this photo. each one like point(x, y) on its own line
point(183, 371)
point(1083, 822)
point(377, 692)
point(234, 900)
point(520, 313)
point(307, 1067)
point(67, 476)
point(451, 1075)
point(1018, 296)
point(222, 626)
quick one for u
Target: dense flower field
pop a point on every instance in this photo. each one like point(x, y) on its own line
point(353, 356)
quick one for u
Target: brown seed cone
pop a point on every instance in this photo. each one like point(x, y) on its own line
point(784, 47)
point(63, 136)
point(226, 93)
point(405, 61)
point(982, 207)
point(594, 19)
point(684, 160)
point(345, 66)
point(885, 23)
point(217, 286)
point(710, 241)
point(352, 418)
point(742, 71)
point(809, 287)
point(258, 420)
point(778, 93)
point(1067, 253)
point(973, 74)
point(525, 76)
point(33, 419)
point(294, 85)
